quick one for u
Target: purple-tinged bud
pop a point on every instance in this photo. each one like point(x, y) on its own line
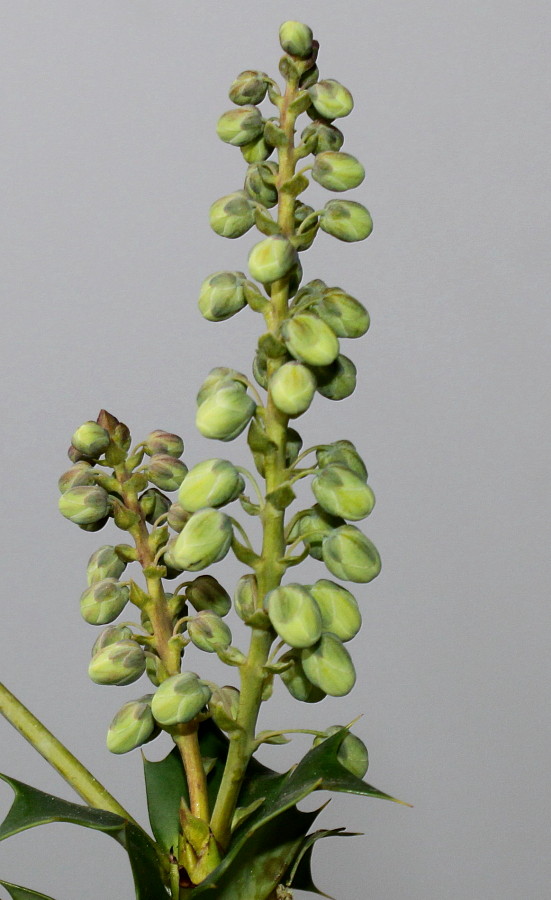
point(163, 442)
point(84, 505)
point(166, 472)
point(90, 439)
point(119, 664)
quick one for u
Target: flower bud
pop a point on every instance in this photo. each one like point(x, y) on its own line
point(208, 631)
point(90, 439)
point(78, 475)
point(164, 443)
point(260, 369)
point(349, 555)
point(310, 340)
point(240, 126)
point(257, 150)
point(352, 752)
point(166, 471)
point(272, 258)
point(296, 39)
point(84, 505)
point(313, 527)
point(205, 592)
point(103, 601)
point(341, 492)
point(120, 663)
point(249, 87)
point(225, 413)
point(172, 565)
point(154, 504)
point(222, 295)
point(293, 387)
point(328, 665)
point(213, 482)
point(295, 680)
point(111, 635)
point(104, 563)
point(224, 706)
point(132, 726)
point(337, 381)
point(155, 670)
point(177, 517)
point(205, 538)
point(346, 220)
point(232, 216)
point(220, 375)
point(245, 598)
point(337, 171)
point(339, 610)
point(179, 699)
point(295, 615)
point(331, 99)
point(342, 453)
point(344, 314)
point(260, 183)
point(321, 136)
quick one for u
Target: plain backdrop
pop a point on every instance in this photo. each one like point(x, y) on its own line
point(109, 163)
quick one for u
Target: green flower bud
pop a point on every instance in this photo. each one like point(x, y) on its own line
point(337, 171)
point(321, 136)
point(249, 87)
point(166, 471)
point(113, 634)
point(154, 504)
point(222, 295)
point(342, 453)
point(225, 413)
point(340, 613)
point(155, 670)
point(257, 150)
point(224, 706)
point(164, 443)
point(344, 314)
point(240, 126)
point(204, 539)
point(295, 615)
point(349, 555)
point(328, 665)
point(179, 699)
point(208, 631)
point(132, 726)
point(78, 475)
point(213, 482)
point(205, 592)
point(120, 663)
point(104, 563)
point(341, 492)
point(172, 565)
point(232, 216)
point(313, 527)
point(293, 387)
point(352, 753)
point(337, 381)
point(177, 517)
point(295, 680)
point(260, 183)
point(296, 39)
point(90, 439)
point(310, 340)
point(221, 375)
point(331, 99)
point(346, 220)
point(84, 504)
point(245, 598)
point(103, 601)
point(272, 258)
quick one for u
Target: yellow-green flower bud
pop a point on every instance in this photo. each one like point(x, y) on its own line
point(310, 340)
point(337, 381)
point(179, 699)
point(260, 183)
point(213, 482)
point(295, 680)
point(224, 706)
point(341, 492)
point(208, 631)
point(313, 527)
point(249, 87)
point(295, 615)
point(257, 150)
point(321, 136)
point(331, 99)
point(205, 592)
point(344, 314)
point(90, 439)
point(225, 413)
point(166, 472)
point(154, 504)
point(111, 635)
point(352, 752)
point(340, 613)
point(80, 474)
point(293, 387)
point(84, 504)
point(205, 538)
point(272, 258)
point(349, 555)
point(328, 665)
point(177, 517)
point(342, 453)
point(104, 563)
point(155, 670)
point(337, 171)
point(232, 216)
point(120, 663)
point(163, 442)
point(346, 220)
point(221, 375)
point(172, 565)
point(222, 295)
point(103, 601)
point(296, 39)
point(132, 726)
point(240, 126)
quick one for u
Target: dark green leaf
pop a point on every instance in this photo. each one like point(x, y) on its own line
point(165, 785)
point(300, 877)
point(265, 223)
point(296, 185)
point(17, 892)
point(282, 497)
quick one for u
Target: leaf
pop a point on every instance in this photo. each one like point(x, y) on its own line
point(17, 892)
point(252, 509)
point(258, 440)
point(295, 185)
point(265, 223)
point(32, 807)
point(165, 785)
point(282, 497)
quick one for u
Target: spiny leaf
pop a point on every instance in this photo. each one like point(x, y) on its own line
point(17, 892)
point(300, 876)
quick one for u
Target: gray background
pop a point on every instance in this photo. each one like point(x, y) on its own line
point(110, 161)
